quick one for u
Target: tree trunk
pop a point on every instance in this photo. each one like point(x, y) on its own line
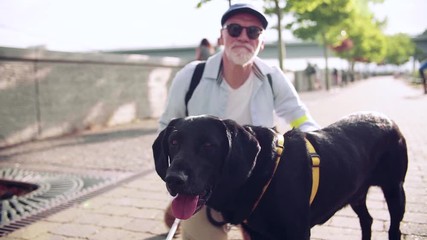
point(325, 54)
point(280, 44)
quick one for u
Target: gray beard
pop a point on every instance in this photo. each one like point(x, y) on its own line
point(240, 57)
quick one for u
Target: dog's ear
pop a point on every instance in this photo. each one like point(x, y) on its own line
point(161, 149)
point(243, 152)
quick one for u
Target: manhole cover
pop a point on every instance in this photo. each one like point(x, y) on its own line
point(38, 194)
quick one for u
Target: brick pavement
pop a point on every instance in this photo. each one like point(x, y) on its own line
point(134, 209)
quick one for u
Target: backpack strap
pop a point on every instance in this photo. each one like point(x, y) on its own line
point(271, 83)
point(197, 75)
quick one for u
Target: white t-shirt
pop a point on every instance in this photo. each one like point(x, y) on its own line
point(238, 102)
point(211, 96)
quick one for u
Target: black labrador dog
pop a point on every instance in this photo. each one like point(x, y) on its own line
point(232, 169)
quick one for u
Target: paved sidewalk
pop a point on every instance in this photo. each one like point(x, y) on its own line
point(134, 209)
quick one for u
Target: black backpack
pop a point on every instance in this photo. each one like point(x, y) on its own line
point(195, 80)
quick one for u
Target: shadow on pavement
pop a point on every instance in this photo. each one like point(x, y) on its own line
point(158, 237)
point(74, 140)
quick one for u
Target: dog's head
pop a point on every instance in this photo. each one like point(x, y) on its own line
point(200, 156)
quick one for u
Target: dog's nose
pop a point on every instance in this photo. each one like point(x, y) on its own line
point(176, 180)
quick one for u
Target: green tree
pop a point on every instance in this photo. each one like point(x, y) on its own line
point(315, 19)
point(419, 54)
point(273, 7)
point(368, 41)
point(371, 45)
point(399, 49)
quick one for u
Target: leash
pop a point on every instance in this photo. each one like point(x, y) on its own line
point(173, 229)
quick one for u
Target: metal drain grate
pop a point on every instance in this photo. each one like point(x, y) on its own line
point(56, 191)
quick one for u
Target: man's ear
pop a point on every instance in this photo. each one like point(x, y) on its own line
point(261, 48)
point(161, 149)
point(220, 40)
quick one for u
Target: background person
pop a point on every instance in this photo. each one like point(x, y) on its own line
point(204, 50)
point(310, 72)
point(235, 86)
point(219, 45)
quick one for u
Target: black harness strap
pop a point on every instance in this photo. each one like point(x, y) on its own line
point(270, 81)
point(197, 75)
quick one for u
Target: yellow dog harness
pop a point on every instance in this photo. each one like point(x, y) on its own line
point(315, 159)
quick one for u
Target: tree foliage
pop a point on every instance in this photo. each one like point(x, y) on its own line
point(318, 20)
point(369, 43)
point(419, 54)
point(399, 49)
point(314, 18)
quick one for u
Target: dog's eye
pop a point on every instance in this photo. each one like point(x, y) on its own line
point(174, 142)
point(207, 145)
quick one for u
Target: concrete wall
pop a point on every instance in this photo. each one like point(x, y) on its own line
point(45, 94)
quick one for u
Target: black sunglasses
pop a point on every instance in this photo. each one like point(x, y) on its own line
point(235, 30)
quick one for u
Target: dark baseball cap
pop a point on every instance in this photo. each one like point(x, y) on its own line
point(244, 8)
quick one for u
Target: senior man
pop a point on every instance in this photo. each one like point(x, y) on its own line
point(237, 85)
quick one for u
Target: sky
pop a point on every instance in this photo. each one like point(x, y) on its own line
point(96, 25)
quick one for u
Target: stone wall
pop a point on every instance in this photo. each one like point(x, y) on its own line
point(45, 94)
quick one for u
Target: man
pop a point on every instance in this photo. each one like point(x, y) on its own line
point(234, 85)
point(423, 67)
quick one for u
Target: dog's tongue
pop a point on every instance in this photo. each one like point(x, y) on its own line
point(184, 206)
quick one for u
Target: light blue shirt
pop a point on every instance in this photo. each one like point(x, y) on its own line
point(210, 96)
